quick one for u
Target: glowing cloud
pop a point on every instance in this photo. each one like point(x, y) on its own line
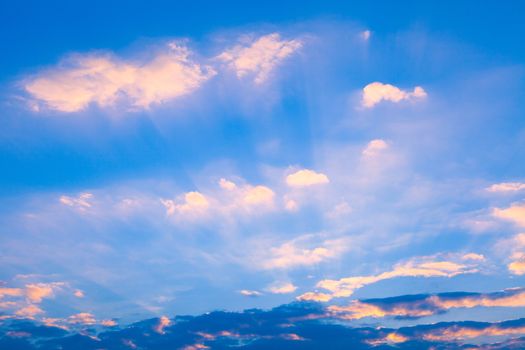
point(426, 305)
point(374, 147)
point(105, 80)
point(305, 178)
point(506, 187)
point(376, 92)
point(414, 268)
point(260, 57)
point(193, 203)
point(163, 323)
point(515, 213)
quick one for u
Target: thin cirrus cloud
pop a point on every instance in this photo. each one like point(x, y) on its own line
point(417, 267)
point(106, 80)
point(305, 178)
point(377, 92)
point(260, 57)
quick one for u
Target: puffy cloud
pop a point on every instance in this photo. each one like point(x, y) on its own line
point(374, 147)
point(296, 253)
point(282, 288)
point(515, 213)
point(193, 203)
point(422, 267)
point(258, 195)
point(260, 57)
point(506, 187)
point(250, 293)
point(305, 178)
point(105, 80)
point(36, 292)
point(376, 92)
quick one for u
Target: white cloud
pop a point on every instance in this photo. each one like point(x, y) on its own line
point(374, 147)
point(250, 293)
point(260, 57)
point(105, 80)
point(514, 213)
point(282, 288)
point(301, 252)
point(305, 178)
point(506, 187)
point(376, 92)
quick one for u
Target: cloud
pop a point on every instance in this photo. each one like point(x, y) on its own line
point(193, 203)
point(517, 267)
point(106, 80)
point(162, 323)
point(29, 311)
point(250, 293)
point(260, 57)
point(82, 201)
point(227, 185)
point(473, 256)
point(515, 213)
point(365, 35)
point(420, 267)
point(258, 195)
point(415, 306)
point(282, 288)
point(376, 92)
point(82, 318)
point(374, 147)
point(504, 187)
point(305, 178)
point(299, 252)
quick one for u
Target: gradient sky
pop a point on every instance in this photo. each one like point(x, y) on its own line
point(184, 157)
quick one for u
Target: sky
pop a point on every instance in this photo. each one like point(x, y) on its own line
point(358, 163)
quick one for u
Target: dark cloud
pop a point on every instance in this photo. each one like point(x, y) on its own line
point(298, 325)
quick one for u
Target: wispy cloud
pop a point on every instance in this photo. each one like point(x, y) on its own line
point(417, 267)
point(259, 57)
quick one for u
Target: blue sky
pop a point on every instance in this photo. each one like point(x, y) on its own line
point(176, 158)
